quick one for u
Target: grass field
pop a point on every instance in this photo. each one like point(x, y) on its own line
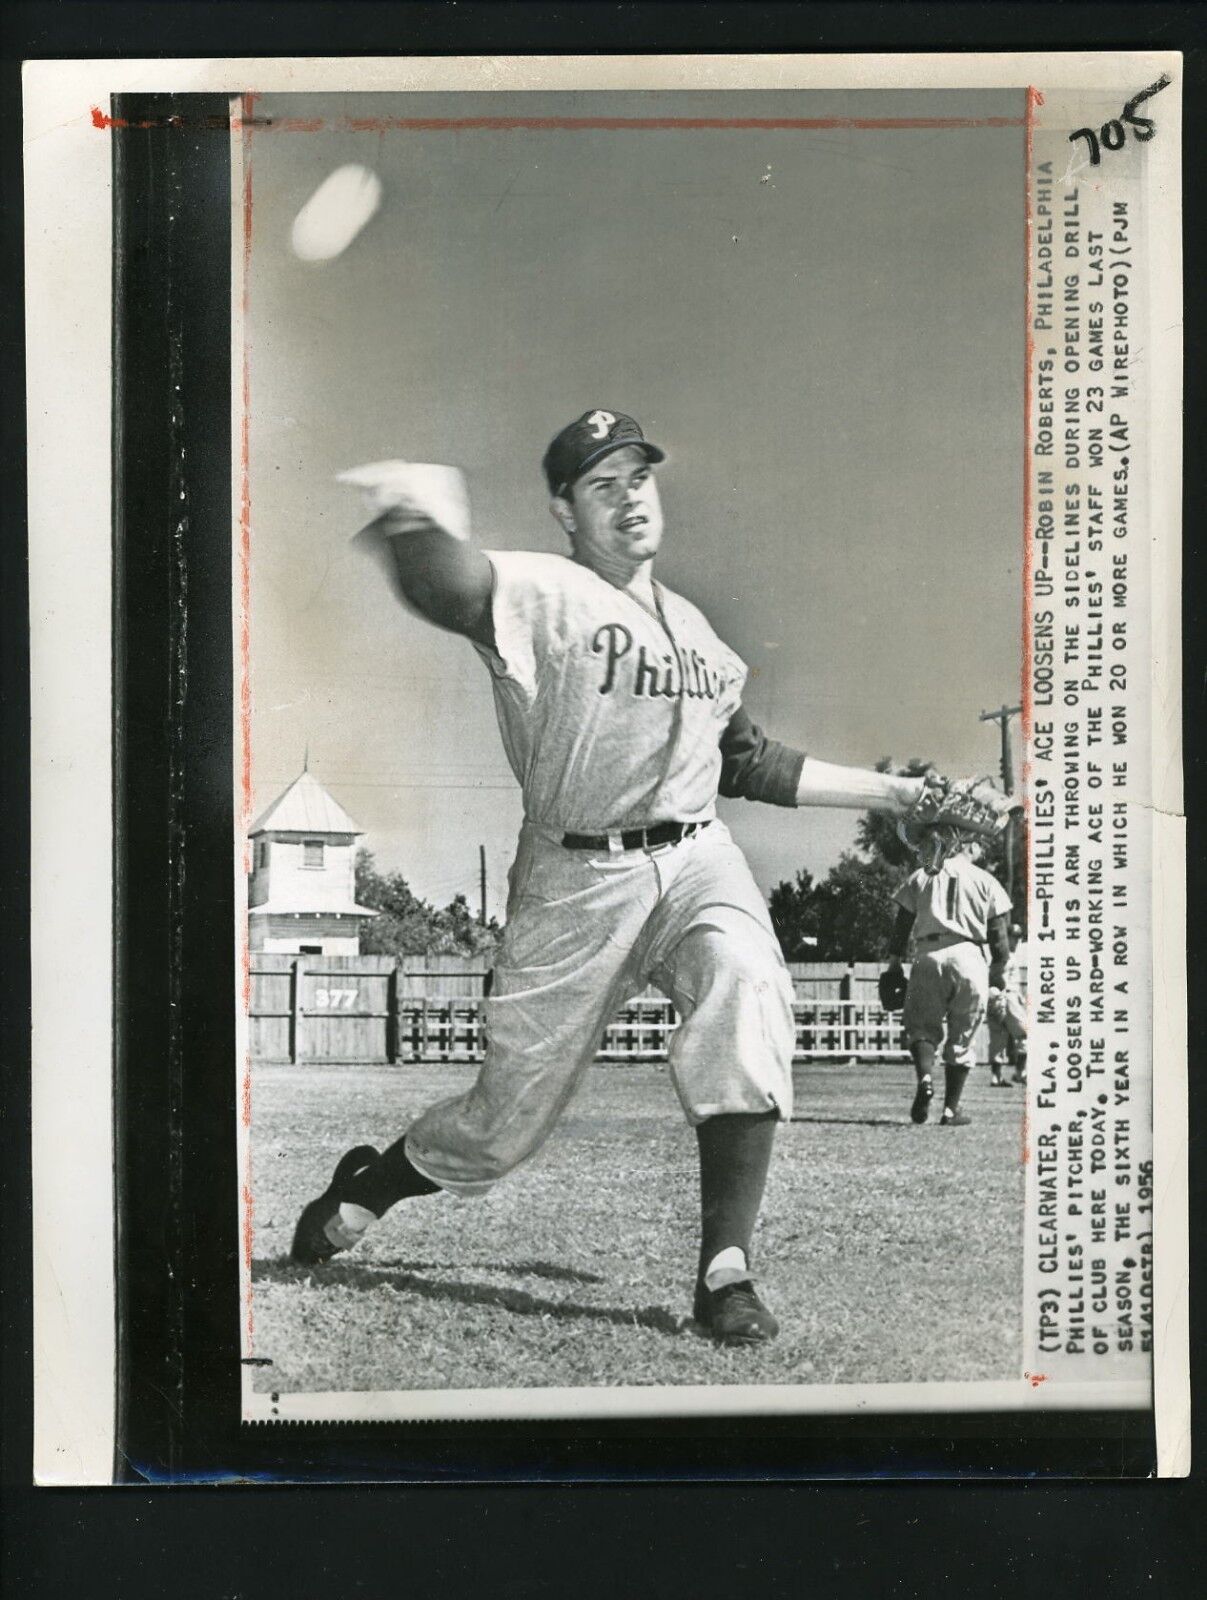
point(890, 1253)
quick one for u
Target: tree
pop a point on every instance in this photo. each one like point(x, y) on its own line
point(466, 933)
point(993, 859)
point(859, 912)
point(795, 916)
point(408, 926)
point(876, 832)
point(847, 917)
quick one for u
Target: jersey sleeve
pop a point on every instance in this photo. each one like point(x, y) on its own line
point(906, 895)
point(526, 611)
point(998, 900)
point(754, 767)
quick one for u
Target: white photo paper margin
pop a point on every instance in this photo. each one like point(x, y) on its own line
point(68, 221)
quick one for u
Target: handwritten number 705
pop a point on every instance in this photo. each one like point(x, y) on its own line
point(1112, 134)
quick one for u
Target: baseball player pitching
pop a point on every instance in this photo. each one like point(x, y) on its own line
point(957, 914)
point(621, 714)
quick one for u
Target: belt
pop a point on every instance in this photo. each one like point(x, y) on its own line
point(634, 838)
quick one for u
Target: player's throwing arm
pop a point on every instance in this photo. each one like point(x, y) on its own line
point(420, 537)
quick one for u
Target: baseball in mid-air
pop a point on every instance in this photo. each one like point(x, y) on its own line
point(335, 213)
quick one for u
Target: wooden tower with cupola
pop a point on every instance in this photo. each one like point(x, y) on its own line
point(302, 893)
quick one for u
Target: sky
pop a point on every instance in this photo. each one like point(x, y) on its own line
point(822, 328)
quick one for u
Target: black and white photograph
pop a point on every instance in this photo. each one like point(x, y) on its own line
point(637, 926)
point(681, 746)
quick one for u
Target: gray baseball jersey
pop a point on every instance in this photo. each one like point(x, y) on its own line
point(611, 714)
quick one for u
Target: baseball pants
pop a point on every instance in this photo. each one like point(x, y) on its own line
point(1007, 1024)
point(945, 1001)
point(585, 932)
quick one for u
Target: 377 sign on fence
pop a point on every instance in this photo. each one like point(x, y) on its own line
point(335, 999)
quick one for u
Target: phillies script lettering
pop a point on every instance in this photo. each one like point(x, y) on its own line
point(670, 677)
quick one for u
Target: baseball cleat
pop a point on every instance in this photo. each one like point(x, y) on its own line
point(999, 1082)
point(734, 1314)
point(955, 1119)
point(920, 1110)
point(312, 1243)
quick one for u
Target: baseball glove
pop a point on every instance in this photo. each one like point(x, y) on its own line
point(892, 988)
point(950, 813)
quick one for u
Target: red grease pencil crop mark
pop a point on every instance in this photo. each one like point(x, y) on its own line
point(650, 124)
point(248, 1240)
point(1034, 98)
point(248, 1202)
point(295, 124)
point(248, 1234)
point(569, 124)
point(247, 1199)
point(101, 119)
point(1035, 1378)
point(246, 109)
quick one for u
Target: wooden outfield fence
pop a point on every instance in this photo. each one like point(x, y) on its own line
point(428, 1008)
point(323, 1008)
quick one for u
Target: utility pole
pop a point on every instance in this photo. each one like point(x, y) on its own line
point(482, 883)
point(1002, 717)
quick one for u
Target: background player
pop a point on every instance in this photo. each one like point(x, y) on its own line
point(1007, 1014)
point(620, 711)
point(955, 911)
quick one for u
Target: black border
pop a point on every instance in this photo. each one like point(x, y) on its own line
point(174, 702)
point(907, 1538)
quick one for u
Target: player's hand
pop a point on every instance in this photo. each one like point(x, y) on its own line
point(908, 792)
point(413, 495)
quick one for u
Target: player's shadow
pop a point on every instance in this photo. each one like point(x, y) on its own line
point(520, 1269)
point(353, 1275)
point(854, 1122)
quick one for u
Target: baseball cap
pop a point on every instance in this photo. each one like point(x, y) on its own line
point(587, 440)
